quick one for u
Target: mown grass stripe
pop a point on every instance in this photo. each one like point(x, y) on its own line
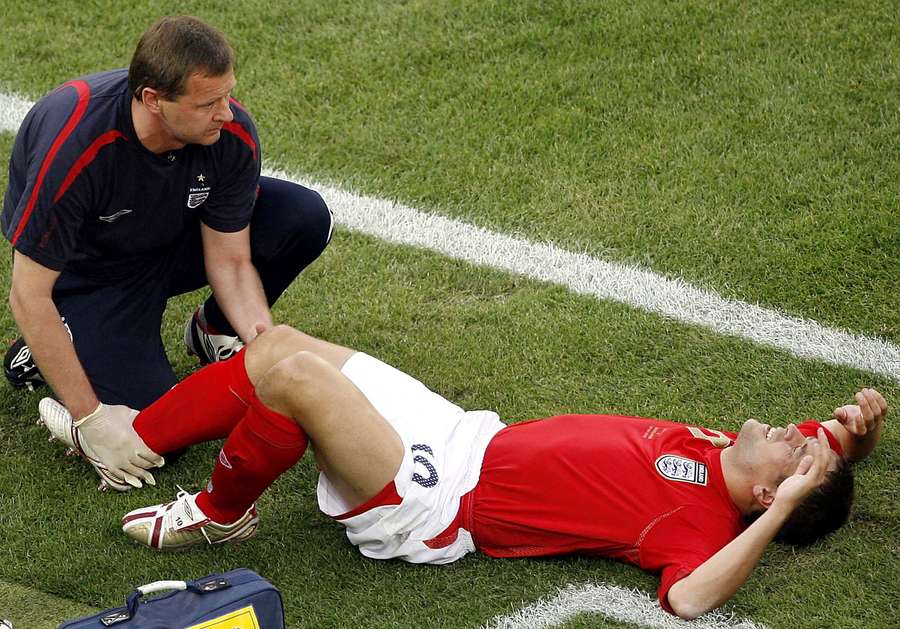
point(617, 603)
point(583, 274)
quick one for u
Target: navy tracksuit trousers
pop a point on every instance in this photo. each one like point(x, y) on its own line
point(116, 328)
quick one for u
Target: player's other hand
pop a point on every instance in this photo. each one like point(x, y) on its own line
point(809, 475)
point(108, 431)
point(870, 409)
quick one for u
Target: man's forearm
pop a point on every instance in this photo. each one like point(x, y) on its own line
point(53, 352)
point(718, 578)
point(239, 293)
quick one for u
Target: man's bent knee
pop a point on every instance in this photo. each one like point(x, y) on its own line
point(320, 220)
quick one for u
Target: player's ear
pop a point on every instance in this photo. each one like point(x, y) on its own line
point(763, 495)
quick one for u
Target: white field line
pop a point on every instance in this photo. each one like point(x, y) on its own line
point(12, 110)
point(617, 603)
point(583, 274)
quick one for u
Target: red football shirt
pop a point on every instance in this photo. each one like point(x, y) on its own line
point(644, 491)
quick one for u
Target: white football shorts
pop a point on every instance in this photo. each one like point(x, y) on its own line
point(444, 448)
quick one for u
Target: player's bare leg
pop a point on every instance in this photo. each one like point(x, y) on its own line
point(355, 446)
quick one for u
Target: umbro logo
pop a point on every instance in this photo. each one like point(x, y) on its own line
point(22, 359)
point(114, 216)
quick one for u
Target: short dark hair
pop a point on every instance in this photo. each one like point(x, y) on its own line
point(824, 511)
point(173, 49)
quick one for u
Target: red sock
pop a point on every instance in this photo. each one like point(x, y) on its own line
point(204, 406)
point(261, 447)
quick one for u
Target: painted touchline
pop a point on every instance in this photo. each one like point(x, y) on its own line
point(612, 601)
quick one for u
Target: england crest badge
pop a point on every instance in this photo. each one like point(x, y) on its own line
point(680, 469)
point(195, 199)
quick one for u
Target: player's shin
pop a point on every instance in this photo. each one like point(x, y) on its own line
point(204, 406)
point(262, 446)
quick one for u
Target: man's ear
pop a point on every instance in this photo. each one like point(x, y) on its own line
point(764, 496)
point(150, 98)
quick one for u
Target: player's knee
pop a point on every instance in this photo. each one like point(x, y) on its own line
point(290, 380)
point(269, 348)
point(276, 342)
point(275, 336)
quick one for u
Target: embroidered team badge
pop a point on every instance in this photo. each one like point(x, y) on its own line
point(195, 199)
point(197, 195)
point(680, 469)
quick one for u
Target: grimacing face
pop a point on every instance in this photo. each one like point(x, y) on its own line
point(197, 116)
point(773, 453)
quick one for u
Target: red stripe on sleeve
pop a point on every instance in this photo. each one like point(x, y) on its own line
point(241, 132)
point(86, 158)
point(84, 96)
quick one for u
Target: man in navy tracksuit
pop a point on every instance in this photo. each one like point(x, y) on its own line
point(131, 186)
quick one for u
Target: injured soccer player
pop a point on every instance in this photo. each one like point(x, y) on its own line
point(412, 476)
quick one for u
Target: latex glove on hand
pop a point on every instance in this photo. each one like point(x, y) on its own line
point(108, 433)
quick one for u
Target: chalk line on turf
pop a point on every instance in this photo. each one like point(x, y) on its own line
point(617, 603)
point(12, 110)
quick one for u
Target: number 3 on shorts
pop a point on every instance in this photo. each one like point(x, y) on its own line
point(432, 479)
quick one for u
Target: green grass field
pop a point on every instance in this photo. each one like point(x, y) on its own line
point(749, 148)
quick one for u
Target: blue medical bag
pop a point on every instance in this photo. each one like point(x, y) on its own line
point(240, 599)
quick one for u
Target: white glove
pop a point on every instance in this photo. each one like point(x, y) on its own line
point(108, 432)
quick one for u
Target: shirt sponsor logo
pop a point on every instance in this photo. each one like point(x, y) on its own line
point(680, 469)
point(114, 216)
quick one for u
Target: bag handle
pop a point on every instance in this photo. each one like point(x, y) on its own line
point(202, 586)
point(161, 586)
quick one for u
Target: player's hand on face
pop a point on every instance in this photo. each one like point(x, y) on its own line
point(109, 433)
point(809, 475)
point(870, 409)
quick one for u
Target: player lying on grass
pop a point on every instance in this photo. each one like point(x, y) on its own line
point(412, 476)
